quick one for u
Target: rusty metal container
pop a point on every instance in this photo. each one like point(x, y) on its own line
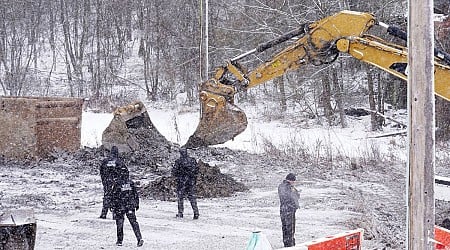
point(17, 229)
point(33, 127)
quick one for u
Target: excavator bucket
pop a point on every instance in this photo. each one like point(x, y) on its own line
point(220, 121)
point(131, 128)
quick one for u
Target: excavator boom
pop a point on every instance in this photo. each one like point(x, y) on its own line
point(221, 120)
point(393, 58)
point(316, 43)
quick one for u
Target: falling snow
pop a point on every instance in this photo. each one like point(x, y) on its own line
point(347, 191)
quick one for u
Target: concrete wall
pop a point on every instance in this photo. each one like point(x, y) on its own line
point(33, 127)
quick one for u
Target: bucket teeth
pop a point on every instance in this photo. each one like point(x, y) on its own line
point(220, 121)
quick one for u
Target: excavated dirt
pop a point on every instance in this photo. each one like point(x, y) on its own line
point(152, 155)
point(211, 183)
point(151, 169)
point(372, 189)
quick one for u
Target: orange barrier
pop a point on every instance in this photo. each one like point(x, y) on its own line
point(350, 240)
point(442, 236)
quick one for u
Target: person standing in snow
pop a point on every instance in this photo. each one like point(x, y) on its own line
point(125, 201)
point(108, 172)
point(185, 170)
point(289, 204)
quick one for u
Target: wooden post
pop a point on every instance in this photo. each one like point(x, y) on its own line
point(421, 125)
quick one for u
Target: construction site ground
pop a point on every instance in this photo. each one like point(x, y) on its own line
point(67, 193)
point(67, 204)
point(238, 195)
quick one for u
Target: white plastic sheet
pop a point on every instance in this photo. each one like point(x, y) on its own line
point(258, 241)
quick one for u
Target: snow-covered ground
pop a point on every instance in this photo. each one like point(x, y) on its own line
point(72, 222)
point(225, 223)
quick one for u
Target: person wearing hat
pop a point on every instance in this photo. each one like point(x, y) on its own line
point(289, 197)
point(185, 170)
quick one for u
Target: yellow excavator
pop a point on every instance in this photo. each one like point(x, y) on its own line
point(317, 43)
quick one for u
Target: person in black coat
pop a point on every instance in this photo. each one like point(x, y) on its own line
point(108, 173)
point(185, 170)
point(289, 204)
point(125, 201)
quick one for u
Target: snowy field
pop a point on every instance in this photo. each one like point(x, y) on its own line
point(72, 222)
point(227, 223)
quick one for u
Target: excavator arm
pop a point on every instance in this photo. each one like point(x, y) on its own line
point(317, 43)
point(393, 58)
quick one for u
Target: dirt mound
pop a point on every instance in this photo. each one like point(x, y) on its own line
point(210, 183)
point(131, 129)
point(153, 160)
point(149, 155)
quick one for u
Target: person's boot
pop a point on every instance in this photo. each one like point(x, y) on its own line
point(103, 213)
point(140, 243)
point(180, 207)
point(194, 206)
point(179, 215)
point(119, 243)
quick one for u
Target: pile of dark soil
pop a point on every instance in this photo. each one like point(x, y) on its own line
point(152, 157)
point(211, 183)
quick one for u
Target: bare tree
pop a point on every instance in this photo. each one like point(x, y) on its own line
point(372, 103)
point(75, 20)
point(19, 32)
point(326, 97)
point(339, 93)
point(279, 81)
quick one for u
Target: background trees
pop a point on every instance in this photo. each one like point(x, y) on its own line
point(111, 51)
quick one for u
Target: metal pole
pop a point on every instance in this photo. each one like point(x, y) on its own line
point(421, 125)
point(203, 40)
point(206, 39)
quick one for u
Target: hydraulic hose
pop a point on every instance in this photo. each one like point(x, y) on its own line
point(397, 32)
point(269, 44)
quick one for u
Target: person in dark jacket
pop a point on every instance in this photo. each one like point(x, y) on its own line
point(125, 201)
point(185, 170)
point(289, 204)
point(108, 173)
